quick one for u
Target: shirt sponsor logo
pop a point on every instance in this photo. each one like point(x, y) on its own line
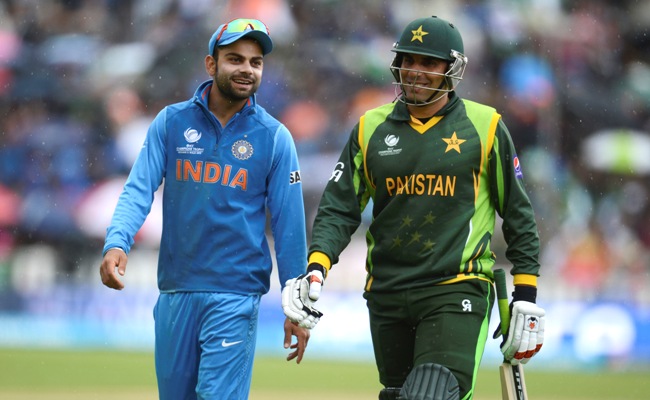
point(391, 141)
point(518, 173)
point(338, 171)
point(294, 177)
point(242, 150)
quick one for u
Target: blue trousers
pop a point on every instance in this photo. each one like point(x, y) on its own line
point(205, 344)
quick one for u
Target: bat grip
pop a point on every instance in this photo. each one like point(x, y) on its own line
point(502, 299)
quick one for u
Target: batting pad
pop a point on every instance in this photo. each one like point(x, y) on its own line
point(430, 382)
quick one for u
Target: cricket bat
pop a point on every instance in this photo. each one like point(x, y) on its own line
point(513, 385)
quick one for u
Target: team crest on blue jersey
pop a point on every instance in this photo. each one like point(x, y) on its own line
point(242, 150)
point(517, 165)
point(192, 135)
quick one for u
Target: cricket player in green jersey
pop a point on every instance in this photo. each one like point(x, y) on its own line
point(438, 169)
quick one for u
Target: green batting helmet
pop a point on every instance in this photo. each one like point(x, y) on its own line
point(430, 36)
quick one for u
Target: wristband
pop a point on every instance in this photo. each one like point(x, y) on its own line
point(525, 293)
point(314, 266)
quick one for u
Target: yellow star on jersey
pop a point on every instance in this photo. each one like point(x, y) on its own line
point(415, 237)
point(453, 143)
point(428, 219)
point(406, 221)
point(418, 34)
point(397, 242)
point(427, 245)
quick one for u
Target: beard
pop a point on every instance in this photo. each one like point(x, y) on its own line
point(419, 94)
point(231, 92)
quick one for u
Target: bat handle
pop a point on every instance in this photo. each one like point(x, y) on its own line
point(512, 377)
point(502, 299)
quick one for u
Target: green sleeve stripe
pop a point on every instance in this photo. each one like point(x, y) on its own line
point(370, 240)
point(499, 176)
point(485, 119)
point(479, 258)
point(496, 117)
point(363, 143)
point(370, 191)
point(368, 123)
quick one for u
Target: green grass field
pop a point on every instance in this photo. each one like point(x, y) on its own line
point(103, 375)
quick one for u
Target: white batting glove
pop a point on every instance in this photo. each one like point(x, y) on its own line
point(299, 295)
point(526, 333)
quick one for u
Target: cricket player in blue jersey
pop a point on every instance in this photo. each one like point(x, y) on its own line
point(224, 162)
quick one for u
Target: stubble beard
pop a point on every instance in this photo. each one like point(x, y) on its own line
point(422, 95)
point(417, 96)
point(225, 87)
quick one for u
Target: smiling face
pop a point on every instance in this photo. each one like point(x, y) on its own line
point(237, 72)
point(422, 78)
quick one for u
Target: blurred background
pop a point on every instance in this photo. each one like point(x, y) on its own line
point(80, 80)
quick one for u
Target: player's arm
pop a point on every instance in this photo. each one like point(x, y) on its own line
point(526, 329)
point(134, 203)
point(338, 216)
point(285, 204)
point(513, 205)
point(343, 200)
point(286, 208)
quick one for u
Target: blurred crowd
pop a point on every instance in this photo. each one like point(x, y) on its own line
point(80, 80)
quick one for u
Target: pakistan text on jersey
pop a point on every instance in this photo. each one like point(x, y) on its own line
point(421, 185)
point(211, 172)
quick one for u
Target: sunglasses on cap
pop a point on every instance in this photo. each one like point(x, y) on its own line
point(237, 28)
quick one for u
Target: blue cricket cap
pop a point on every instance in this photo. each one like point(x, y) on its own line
point(238, 28)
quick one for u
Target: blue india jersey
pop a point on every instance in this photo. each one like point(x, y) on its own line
point(219, 182)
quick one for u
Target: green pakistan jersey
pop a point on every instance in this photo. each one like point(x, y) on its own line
point(434, 188)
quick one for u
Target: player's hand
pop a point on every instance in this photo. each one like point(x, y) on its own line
point(525, 334)
point(299, 295)
point(113, 259)
point(302, 334)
